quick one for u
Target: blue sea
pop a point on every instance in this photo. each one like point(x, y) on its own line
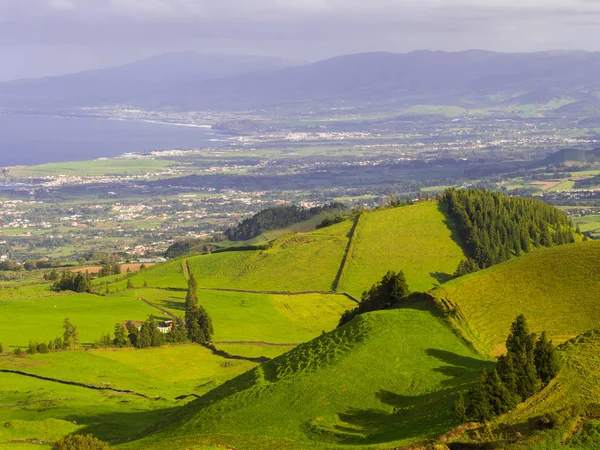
point(37, 139)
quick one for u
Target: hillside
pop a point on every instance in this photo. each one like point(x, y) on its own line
point(331, 391)
point(572, 155)
point(567, 405)
point(416, 239)
point(415, 78)
point(555, 288)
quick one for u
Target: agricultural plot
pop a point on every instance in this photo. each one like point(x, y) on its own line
point(40, 318)
point(112, 166)
point(295, 263)
point(556, 288)
point(415, 239)
point(330, 392)
point(168, 275)
point(243, 316)
point(166, 372)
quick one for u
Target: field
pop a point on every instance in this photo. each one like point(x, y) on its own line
point(246, 316)
point(415, 239)
point(114, 166)
point(555, 288)
point(124, 268)
point(330, 392)
point(39, 316)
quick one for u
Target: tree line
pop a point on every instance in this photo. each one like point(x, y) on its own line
point(276, 218)
point(529, 365)
point(495, 227)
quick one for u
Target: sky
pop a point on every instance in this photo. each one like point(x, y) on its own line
point(47, 37)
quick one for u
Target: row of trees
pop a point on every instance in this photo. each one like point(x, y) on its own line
point(384, 294)
point(276, 218)
point(529, 364)
point(197, 321)
point(495, 226)
point(68, 341)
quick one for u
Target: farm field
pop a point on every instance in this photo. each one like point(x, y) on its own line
point(40, 317)
point(244, 316)
point(327, 393)
point(113, 166)
point(166, 372)
point(558, 297)
point(415, 239)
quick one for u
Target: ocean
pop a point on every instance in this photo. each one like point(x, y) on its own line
point(38, 139)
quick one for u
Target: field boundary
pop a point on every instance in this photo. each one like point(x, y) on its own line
point(342, 269)
point(259, 343)
point(164, 311)
point(76, 383)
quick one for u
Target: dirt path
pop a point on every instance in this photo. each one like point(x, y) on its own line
point(185, 265)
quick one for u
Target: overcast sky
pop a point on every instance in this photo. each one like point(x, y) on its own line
point(44, 37)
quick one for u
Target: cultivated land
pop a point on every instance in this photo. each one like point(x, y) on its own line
point(417, 240)
point(555, 288)
point(330, 392)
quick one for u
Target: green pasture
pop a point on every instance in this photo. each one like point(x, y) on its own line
point(338, 391)
point(415, 239)
point(96, 167)
point(556, 288)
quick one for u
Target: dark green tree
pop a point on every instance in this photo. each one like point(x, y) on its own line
point(70, 336)
point(120, 339)
point(465, 267)
point(43, 348)
point(205, 325)
point(460, 410)
point(546, 359)
point(479, 405)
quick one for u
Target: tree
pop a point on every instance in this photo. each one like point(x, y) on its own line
point(70, 336)
point(130, 285)
point(120, 339)
point(460, 411)
point(389, 291)
point(205, 325)
point(1, 349)
point(32, 350)
point(465, 267)
point(479, 405)
point(104, 341)
point(192, 283)
point(17, 351)
point(80, 442)
point(178, 333)
point(546, 359)
point(133, 333)
point(43, 348)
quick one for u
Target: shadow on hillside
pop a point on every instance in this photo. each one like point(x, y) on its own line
point(121, 427)
point(172, 305)
point(407, 416)
point(452, 226)
point(441, 277)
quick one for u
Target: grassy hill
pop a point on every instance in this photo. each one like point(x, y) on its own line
point(556, 288)
point(417, 239)
point(337, 390)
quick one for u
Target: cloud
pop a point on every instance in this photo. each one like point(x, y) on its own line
point(308, 29)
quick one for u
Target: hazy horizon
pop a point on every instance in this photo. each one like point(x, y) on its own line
point(51, 37)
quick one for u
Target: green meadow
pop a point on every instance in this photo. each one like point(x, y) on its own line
point(113, 166)
point(416, 239)
point(556, 288)
point(330, 392)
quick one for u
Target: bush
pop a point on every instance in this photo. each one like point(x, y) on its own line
point(18, 351)
point(43, 348)
point(1, 349)
point(80, 442)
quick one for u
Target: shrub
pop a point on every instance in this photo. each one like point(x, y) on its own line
point(43, 348)
point(80, 442)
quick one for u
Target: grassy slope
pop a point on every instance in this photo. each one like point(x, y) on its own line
point(40, 317)
point(294, 263)
point(338, 390)
point(557, 290)
point(243, 316)
point(572, 394)
point(414, 239)
point(157, 372)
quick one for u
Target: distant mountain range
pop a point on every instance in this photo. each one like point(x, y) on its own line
point(195, 81)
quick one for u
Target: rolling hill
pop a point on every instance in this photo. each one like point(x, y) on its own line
point(337, 391)
point(555, 288)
